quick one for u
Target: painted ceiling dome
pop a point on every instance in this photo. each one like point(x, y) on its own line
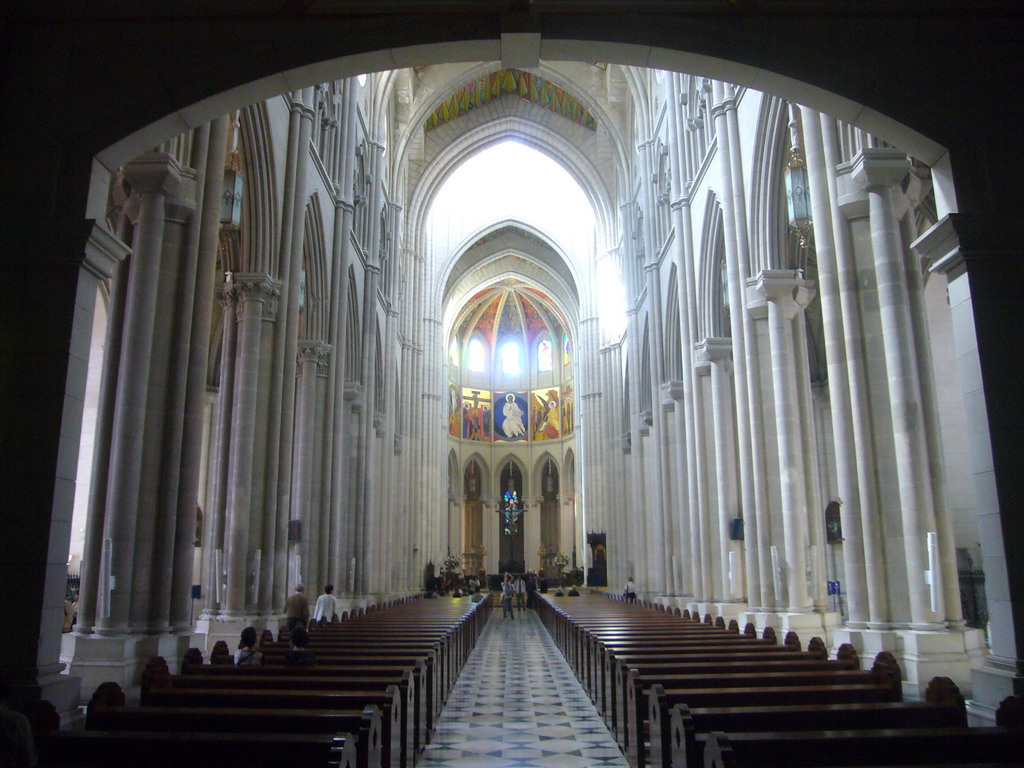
point(509, 309)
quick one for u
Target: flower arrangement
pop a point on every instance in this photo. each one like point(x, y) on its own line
point(451, 563)
point(560, 560)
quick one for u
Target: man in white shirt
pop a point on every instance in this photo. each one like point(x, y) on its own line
point(326, 605)
point(630, 590)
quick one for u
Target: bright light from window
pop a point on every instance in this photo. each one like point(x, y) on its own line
point(361, 79)
point(544, 361)
point(453, 352)
point(510, 358)
point(512, 181)
point(477, 356)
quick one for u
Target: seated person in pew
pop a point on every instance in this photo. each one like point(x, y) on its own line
point(247, 655)
point(17, 747)
point(300, 655)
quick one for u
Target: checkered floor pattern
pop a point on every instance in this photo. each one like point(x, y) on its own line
point(517, 704)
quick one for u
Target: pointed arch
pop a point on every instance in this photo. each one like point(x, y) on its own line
point(646, 392)
point(501, 467)
point(259, 226)
point(453, 476)
point(767, 197)
point(485, 472)
point(712, 309)
point(314, 310)
point(353, 356)
point(673, 352)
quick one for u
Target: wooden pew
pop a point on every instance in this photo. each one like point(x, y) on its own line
point(107, 712)
point(610, 696)
point(682, 743)
point(854, 686)
point(397, 750)
point(387, 702)
point(418, 698)
point(114, 749)
point(650, 670)
point(919, 746)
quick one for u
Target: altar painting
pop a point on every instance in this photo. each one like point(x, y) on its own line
point(510, 417)
point(454, 411)
point(568, 409)
point(545, 414)
point(476, 414)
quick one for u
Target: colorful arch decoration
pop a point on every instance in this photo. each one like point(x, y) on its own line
point(508, 82)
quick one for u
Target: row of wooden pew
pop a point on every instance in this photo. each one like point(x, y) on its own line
point(370, 701)
point(679, 690)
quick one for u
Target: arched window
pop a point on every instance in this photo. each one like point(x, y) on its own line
point(566, 349)
point(477, 356)
point(510, 358)
point(453, 352)
point(544, 357)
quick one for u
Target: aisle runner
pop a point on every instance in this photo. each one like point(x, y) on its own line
point(517, 704)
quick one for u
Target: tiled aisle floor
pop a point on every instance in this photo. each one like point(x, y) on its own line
point(517, 703)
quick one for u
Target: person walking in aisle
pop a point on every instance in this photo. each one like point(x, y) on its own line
point(296, 608)
point(326, 605)
point(519, 587)
point(507, 592)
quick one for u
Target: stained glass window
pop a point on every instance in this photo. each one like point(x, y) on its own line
point(477, 356)
point(511, 510)
point(510, 358)
point(544, 361)
point(453, 352)
point(566, 349)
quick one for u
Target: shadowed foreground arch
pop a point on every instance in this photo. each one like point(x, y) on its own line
point(88, 93)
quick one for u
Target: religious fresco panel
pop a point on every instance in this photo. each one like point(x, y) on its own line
point(454, 411)
point(545, 414)
point(568, 409)
point(510, 417)
point(476, 414)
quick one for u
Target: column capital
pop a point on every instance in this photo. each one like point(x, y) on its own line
point(957, 238)
point(714, 349)
point(155, 172)
point(314, 351)
point(674, 389)
point(879, 167)
point(103, 252)
point(255, 286)
point(786, 286)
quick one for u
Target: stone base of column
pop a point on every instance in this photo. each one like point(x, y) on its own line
point(98, 659)
point(211, 628)
point(730, 611)
point(806, 625)
point(921, 655)
point(989, 686)
point(59, 688)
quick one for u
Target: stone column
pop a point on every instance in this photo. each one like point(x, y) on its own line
point(718, 354)
point(213, 542)
point(155, 177)
point(256, 296)
point(785, 292)
point(976, 255)
point(857, 375)
point(878, 170)
point(198, 364)
point(933, 431)
point(313, 355)
point(753, 485)
point(47, 299)
point(855, 587)
point(663, 522)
